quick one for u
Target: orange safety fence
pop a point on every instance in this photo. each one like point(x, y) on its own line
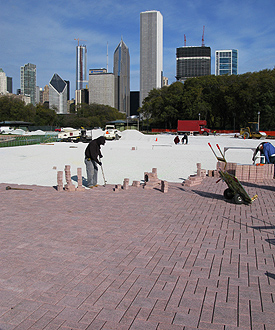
point(225, 131)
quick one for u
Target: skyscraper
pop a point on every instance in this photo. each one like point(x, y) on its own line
point(3, 82)
point(122, 78)
point(101, 87)
point(58, 94)
point(28, 81)
point(226, 62)
point(193, 62)
point(81, 66)
point(151, 52)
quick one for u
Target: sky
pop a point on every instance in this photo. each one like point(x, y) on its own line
point(44, 33)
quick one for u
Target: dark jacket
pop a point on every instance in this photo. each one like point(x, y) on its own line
point(93, 149)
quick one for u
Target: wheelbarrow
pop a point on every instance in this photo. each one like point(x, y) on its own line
point(235, 190)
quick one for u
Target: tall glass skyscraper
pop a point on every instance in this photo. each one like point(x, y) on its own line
point(122, 78)
point(28, 81)
point(226, 62)
point(81, 67)
point(151, 52)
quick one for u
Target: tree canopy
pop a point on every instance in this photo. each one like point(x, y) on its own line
point(89, 116)
point(225, 102)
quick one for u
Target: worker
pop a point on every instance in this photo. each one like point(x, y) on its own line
point(261, 153)
point(184, 139)
point(92, 155)
point(269, 152)
point(176, 140)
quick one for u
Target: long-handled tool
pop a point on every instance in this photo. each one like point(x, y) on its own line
point(103, 175)
point(11, 188)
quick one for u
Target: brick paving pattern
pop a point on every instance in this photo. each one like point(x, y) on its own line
point(137, 258)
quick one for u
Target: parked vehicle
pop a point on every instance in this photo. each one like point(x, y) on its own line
point(193, 127)
point(252, 132)
point(69, 134)
point(111, 133)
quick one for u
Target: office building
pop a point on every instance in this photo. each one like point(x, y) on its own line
point(165, 81)
point(3, 82)
point(226, 62)
point(81, 97)
point(9, 84)
point(28, 81)
point(81, 67)
point(151, 52)
point(101, 87)
point(46, 94)
point(68, 89)
point(193, 62)
point(122, 78)
point(134, 103)
point(58, 94)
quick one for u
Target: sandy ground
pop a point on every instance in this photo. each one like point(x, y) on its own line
point(129, 157)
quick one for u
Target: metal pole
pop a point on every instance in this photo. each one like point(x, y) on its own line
point(259, 120)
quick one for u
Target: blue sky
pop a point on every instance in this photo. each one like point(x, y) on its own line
point(43, 32)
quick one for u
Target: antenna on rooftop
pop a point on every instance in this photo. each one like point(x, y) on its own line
point(202, 39)
point(107, 58)
point(184, 40)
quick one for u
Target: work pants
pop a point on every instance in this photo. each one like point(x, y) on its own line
point(92, 170)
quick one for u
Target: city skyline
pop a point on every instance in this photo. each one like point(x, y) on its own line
point(29, 36)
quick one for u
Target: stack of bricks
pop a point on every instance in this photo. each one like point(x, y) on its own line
point(79, 180)
point(246, 173)
point(126, 184)
point(195, 179)
point(136, 184)
point(200, 172)
point(164, 186)
point(151, 180)
point(68, 186)
point(59, 180)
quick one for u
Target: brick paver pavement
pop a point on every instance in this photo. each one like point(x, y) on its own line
point(137, 259)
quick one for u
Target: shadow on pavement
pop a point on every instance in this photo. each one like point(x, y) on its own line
point(210, 195)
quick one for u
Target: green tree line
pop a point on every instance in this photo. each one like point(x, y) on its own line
point(225, 102)
point(88, 116)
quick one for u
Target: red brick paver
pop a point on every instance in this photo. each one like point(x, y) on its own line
point(137, 259)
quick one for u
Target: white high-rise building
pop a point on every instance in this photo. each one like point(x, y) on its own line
point(81, 67)
point(58, 94)
point(151, 52)
point(101, 87)
point(3, 82)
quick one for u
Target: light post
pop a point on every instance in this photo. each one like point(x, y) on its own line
point(199, 116)
point(259, 120)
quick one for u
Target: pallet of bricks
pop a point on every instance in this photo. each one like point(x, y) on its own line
point(246, 173)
